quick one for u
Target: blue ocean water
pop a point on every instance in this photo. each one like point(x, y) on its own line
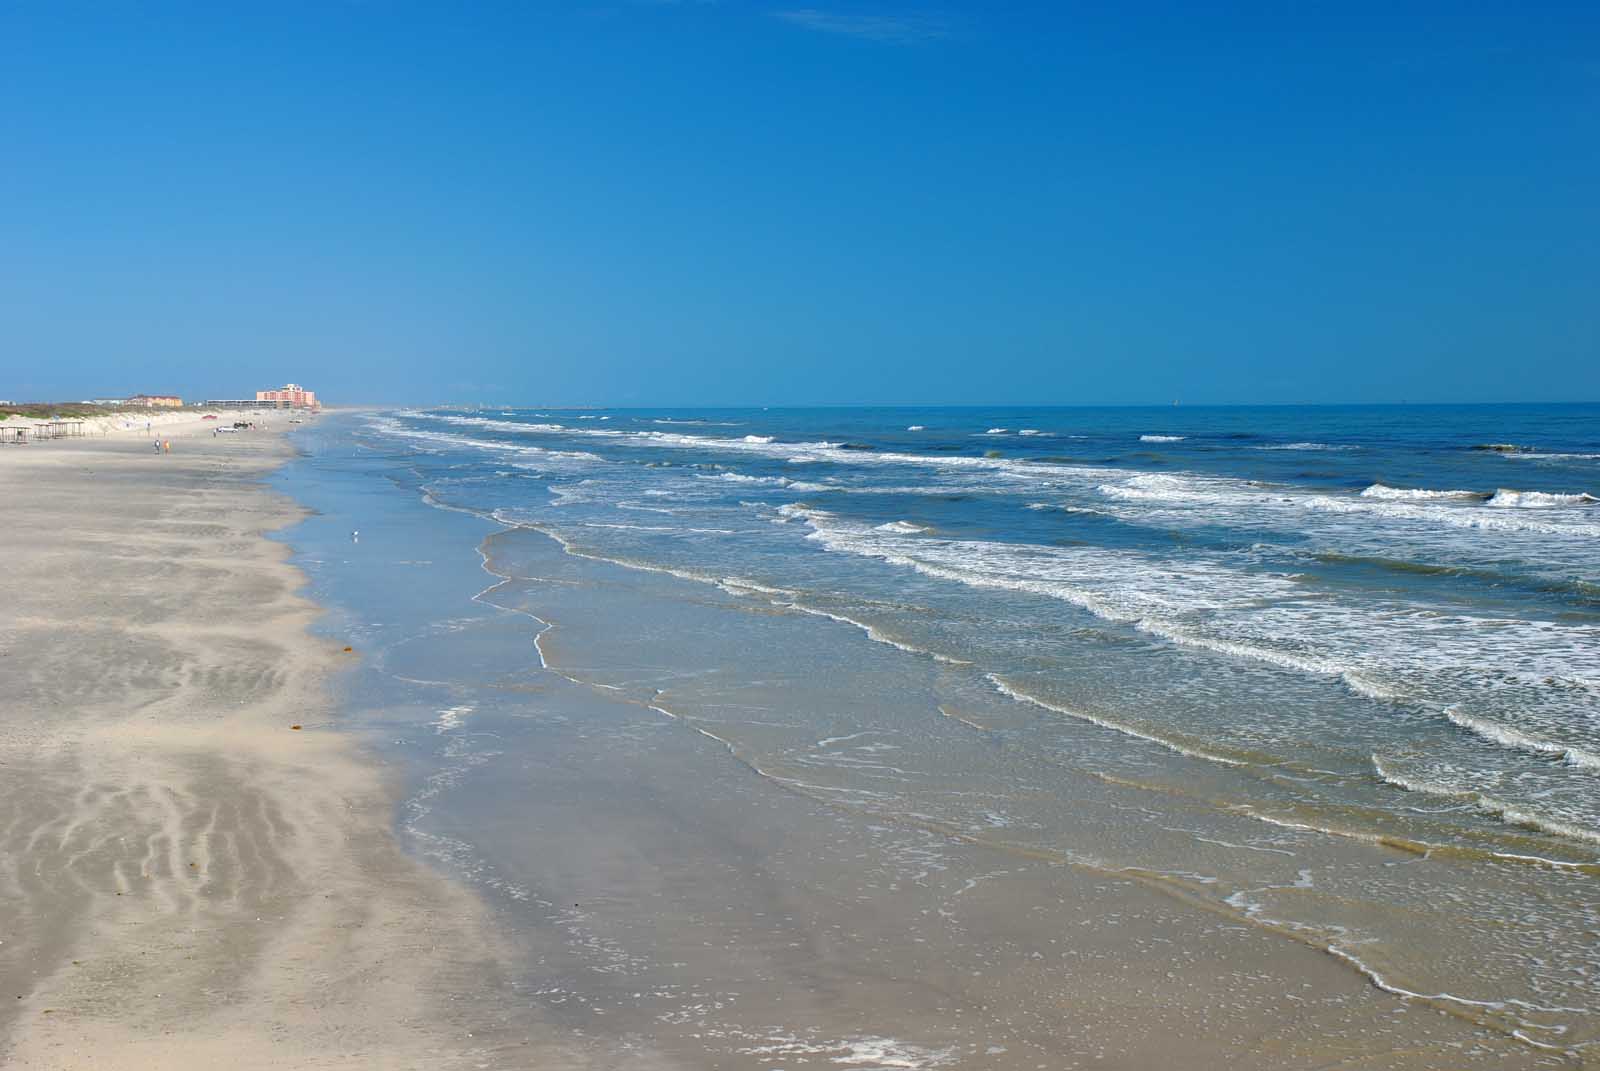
point(1318, 644)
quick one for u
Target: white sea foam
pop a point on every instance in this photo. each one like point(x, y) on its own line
point(916, 427)
point(1155, 596)
point(1237, 501)
point(391, 427)
point(1162, 438)
point(1377, 979)
point(1226, 602)
point(657, 528)
point(1467, 517)
point(1381, 650)
point(739, 477)
point(693, 423)
point(1486, 805)
point(1305, 662)
point(1303, 446)
point(451, 718)
point(1059, 508)
point(1012, 692)
point(1505, 498)
point(1536, 455)
point(862, 1053)
point(758, 439)
point(903, 527)
point(872, 631)
point(802, 452)
point(490, 422)
point(1411, 494)
point(1505, 736)
point(1030, 431)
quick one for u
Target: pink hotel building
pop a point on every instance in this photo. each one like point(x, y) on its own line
point(290, 395)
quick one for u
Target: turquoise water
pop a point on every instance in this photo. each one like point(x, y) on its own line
point(1333, 671)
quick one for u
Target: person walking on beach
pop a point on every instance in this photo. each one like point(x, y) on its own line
point(166, 446)
point(158, 446)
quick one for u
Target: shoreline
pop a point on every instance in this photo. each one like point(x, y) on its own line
point(394, 893)
point(191, 878)
point(595, 739)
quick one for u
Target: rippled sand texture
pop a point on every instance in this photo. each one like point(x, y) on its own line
point(185, 880)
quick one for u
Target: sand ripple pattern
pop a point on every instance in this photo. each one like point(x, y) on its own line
point(184, 880)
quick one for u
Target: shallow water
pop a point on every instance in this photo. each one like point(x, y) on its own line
point(1329, 675)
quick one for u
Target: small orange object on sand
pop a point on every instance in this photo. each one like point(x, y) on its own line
point(294, 726)
point(349, 648)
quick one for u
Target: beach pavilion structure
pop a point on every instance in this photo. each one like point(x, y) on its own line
point(58, 429)
point(43, 429)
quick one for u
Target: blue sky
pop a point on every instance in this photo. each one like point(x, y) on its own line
point(658, 203)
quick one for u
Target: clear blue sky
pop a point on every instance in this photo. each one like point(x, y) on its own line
point(801, 201)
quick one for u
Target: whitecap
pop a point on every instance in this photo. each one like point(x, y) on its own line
point(739, 477)
point(1507, 737)
point(1535, 455)
point(1485, 805)
point(451, 718)
point(1505, 498)
point(1379, 490)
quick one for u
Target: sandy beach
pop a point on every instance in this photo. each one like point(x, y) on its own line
point(194, 872)
point(497, 814)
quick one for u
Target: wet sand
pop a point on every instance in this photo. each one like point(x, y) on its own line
point(186, 880)
point(592, 747)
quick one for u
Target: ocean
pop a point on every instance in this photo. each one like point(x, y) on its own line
point(1328, 677)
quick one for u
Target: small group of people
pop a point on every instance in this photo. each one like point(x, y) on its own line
point(163, 446)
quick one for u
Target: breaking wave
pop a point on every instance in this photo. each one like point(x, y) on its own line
point(1412, 494)
point(1486, 805)
point(1505, 736)
point(1507, 499)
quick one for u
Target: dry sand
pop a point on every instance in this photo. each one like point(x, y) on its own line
point(185, 879)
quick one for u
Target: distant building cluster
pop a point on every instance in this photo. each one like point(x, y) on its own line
point(290, 395)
